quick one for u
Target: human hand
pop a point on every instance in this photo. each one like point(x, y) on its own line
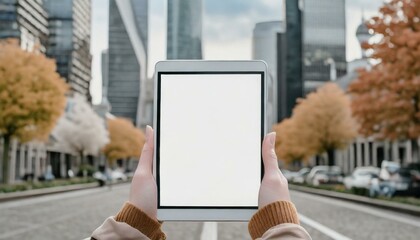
point(274, 185)
point(143, 192)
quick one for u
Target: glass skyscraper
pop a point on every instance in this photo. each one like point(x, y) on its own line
point(289, 60)
point(184, 29)
point(25, 20)
point(324, 37)
point(69, 41)
point(127, 58)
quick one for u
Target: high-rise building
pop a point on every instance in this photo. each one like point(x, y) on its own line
point(25, 20)
point(184, 29)
point(69, 41)
point(324, 40)
point(289, 63)
point(264, 47)
point(127, 58)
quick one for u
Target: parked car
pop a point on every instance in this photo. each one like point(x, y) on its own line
point(301, 175)
point(117, 175)
point(100, 177)
point(413, 166)
point(324, 174)
point(361, 178)
point(289, 175)
point(395, 180)
point(109, 176)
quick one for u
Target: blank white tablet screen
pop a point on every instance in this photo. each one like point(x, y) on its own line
point(210, 140)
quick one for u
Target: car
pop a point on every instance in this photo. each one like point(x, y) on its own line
point(301, 175)
point(118, 176)
point(408, 182)
point(361, 178)
point(324, 174)
point(109, 176)
point(289, 175)
point(413, 166)
point(100, 177)
point(395, 180)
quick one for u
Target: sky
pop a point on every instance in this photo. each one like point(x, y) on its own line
point(227, 30)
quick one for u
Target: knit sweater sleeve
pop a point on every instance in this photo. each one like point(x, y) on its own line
point(129, 223)
point(278, 220)
point(139, 220)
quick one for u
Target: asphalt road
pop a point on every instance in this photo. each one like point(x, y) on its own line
point(75, 215)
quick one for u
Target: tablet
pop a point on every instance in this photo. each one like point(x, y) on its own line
point(209, 119)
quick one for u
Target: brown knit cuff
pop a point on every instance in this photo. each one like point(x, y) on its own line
point(136, 218)
point(271, 215)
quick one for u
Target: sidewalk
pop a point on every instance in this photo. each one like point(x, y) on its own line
point(4, 197)
point(400, 207)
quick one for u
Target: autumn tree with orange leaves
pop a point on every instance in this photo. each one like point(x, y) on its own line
point(290, 147)
point(32, 96)
point(323, 121)
point(125, 140)
point(386, 99)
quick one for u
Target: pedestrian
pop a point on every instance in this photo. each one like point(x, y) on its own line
point(276, 218)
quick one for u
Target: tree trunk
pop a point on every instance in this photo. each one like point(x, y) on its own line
point(331, 160)
point(6, 159)
point(82, 160)
point(415, 150)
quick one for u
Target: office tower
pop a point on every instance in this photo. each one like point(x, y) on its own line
point(184, 29)
point(264, 47)
point(25, 20)
point(127, 58)
point(289, 63)
point(324, 40)
point(69, 41)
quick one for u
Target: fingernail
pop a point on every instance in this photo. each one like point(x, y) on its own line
point(148, 132)
point(272, 138)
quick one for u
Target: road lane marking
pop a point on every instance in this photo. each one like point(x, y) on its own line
point(209, 231)
point(393, 216)
point(325, 230)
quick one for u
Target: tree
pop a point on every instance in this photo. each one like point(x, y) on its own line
point(324, 121)
point(386, 99)
point(290, 146)
point(80, 130)
point(32, 96)
point(126, 140)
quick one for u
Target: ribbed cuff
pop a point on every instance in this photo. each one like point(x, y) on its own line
point(136, 218)
point(271, 215)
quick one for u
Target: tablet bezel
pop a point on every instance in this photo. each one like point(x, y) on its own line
point(205, 213)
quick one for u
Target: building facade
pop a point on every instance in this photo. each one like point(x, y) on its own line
point(127, 58)
point(69, 41)
point(184, 31)
point(324, 40)
point(25, 20)
point(264, 47)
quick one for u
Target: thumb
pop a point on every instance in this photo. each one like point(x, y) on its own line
point(146, 158)
point(268, 153)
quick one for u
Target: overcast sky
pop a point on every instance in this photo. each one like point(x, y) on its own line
point(227, 30)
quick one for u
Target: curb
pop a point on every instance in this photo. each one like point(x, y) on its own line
point(4, 197)
point(404, 208)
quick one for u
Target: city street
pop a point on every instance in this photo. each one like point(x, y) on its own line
point(75, 215)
